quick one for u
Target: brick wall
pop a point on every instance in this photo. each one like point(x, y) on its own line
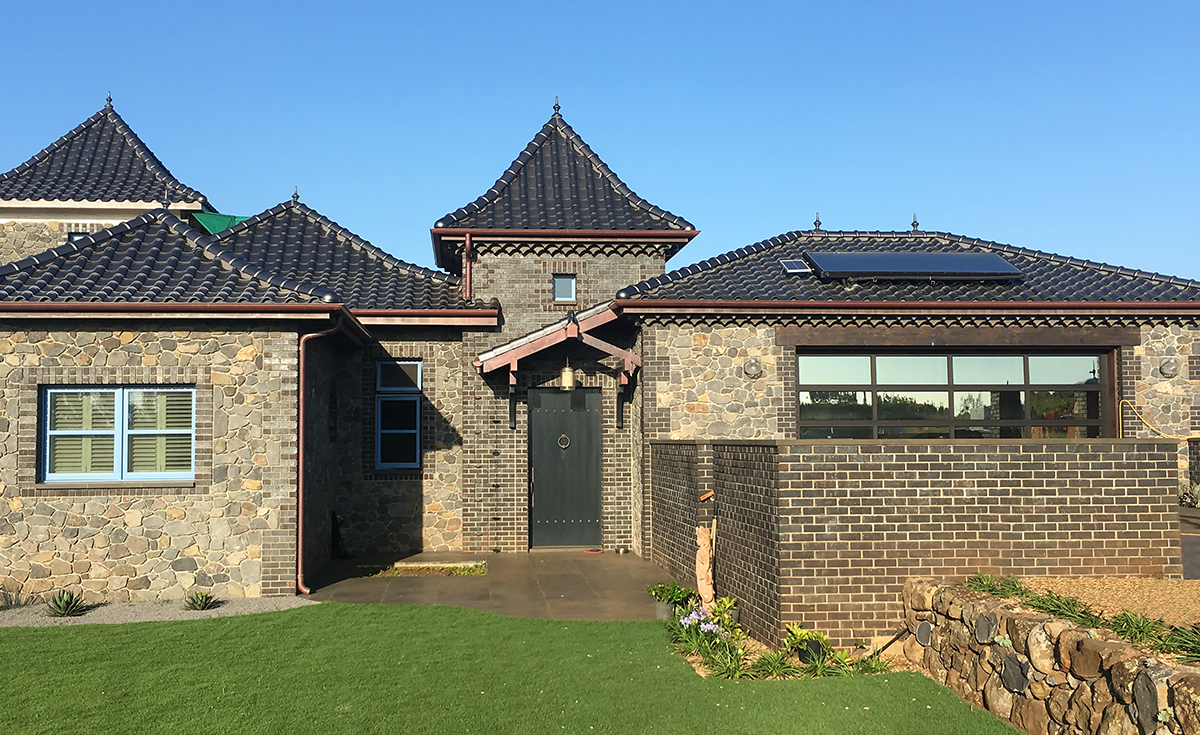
point(676, 505)
point(856, 519)
point(747, 558)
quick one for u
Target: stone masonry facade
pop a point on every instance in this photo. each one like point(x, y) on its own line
point(837, 528)
point(232, 530)
point(20, 239)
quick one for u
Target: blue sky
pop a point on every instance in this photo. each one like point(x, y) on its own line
point(1070, 127)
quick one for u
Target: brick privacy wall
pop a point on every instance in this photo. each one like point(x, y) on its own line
point(747, 549)
point(231, 530)
point(855, 520)
point(20, 239)
point(858, 519)
point(676, 505)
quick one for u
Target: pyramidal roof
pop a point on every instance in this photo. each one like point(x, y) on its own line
point(101, 160)
point(559, 183)
point(297, 242)
point(152, 258)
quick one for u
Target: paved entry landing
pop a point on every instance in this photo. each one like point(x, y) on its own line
point(562, 585)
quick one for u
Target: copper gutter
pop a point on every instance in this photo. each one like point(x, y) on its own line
point(339, 325)
point(498, 234)
point(982, 308)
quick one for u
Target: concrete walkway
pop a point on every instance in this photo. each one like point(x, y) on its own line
point(562, 585)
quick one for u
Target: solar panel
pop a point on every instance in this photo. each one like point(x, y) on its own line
point(932, 266)
point(795, 266)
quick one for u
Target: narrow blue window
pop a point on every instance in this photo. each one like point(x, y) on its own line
point(398, 414)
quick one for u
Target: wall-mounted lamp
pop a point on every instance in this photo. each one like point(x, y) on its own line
point(567, 378)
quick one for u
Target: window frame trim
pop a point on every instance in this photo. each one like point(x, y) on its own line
point(574, 280)
point(120, 434)
point(1104, 388)
point(415, 395)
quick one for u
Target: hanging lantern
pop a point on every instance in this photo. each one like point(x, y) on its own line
point(567, 378)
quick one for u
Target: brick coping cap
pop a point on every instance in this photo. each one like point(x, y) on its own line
point(908, 445)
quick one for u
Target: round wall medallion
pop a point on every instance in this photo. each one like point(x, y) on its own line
point(752, 367)
point(1169, 367)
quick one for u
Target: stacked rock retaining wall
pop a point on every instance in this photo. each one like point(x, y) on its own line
point(1045, 676)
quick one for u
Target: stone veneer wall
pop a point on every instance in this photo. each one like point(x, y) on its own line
point(20, 239)
point(1044, 676)
point(231, 530)
point(698, 388)
point(1161, 377)
point(856, 519)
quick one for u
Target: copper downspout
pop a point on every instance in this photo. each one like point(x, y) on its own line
point(467, 267)
point(301, 434)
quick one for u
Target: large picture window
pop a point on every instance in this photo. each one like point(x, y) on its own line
point(951, 396)
point(398, 413)
point(123, 433)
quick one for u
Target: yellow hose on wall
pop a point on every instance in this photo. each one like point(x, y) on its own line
point(1163, 434)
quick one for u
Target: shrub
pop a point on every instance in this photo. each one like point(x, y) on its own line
point(9, 599)
point(1137, 628)
point(66, 604)
point(1189, 495)
point(671, 592)
point(774, 665)
point(201, 600)
point(997, 586)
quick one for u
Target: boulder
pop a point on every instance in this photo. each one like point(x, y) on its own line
point(1087, 661)
point(914, 651)
point(1115, 721)
point(1014, 673)
point(1058, 702)
point(924, 633)
point(1150, 695)
point(996, 696)
point(1020, 626)
point(1186, 690)
point(1065, 646)
point(986, 627)
point(1031, 715)
point(1041, 650)
point(1121, 677)
point(1079, 709)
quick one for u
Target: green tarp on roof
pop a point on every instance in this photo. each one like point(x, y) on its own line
point(214, 223)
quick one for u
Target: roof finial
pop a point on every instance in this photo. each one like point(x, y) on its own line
point(916, 225)
point(166, 197)
point(556, 106)
point(295, 194)
point(817, 222)
point(108, 101)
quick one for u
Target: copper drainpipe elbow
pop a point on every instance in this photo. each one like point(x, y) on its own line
point(337, 327)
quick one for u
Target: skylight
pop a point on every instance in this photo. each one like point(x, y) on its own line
point(795, 266)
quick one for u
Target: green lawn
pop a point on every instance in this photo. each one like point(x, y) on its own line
point(334, 668)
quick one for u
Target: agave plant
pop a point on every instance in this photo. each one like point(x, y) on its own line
point(200, 600)
point(66, 604)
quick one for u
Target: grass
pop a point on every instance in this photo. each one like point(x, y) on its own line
point(334, 668)
point(467, 569)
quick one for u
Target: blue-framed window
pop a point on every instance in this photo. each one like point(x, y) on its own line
point(102, 433)
point(563, 286)
point(398, 413)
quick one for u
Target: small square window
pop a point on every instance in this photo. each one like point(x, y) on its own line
point(564, 286)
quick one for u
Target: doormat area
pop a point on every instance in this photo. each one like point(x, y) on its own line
point(434, 569)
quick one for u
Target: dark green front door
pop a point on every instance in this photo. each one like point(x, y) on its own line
point(564, 467)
